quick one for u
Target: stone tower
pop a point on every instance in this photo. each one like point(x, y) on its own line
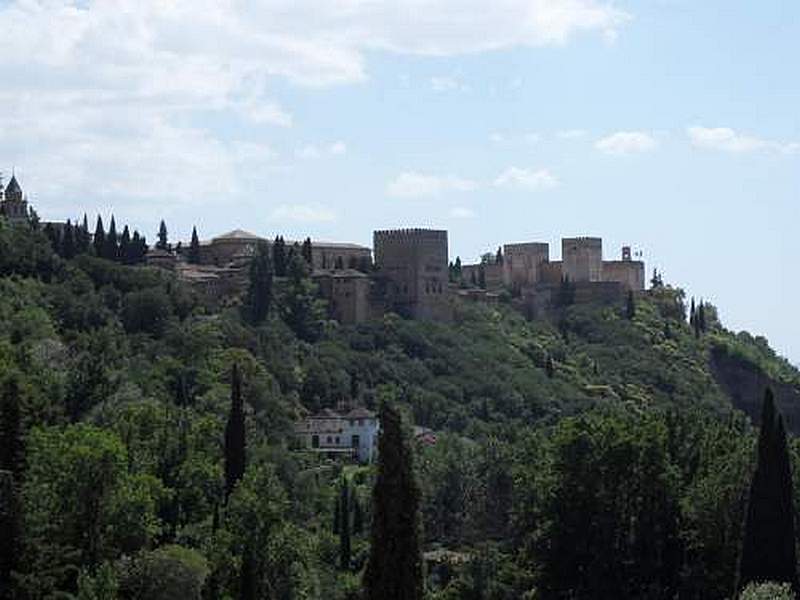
point(413, 266)
point(582, 259)
point(13, 205)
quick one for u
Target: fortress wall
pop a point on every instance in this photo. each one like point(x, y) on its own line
point(582, 258)
point(629, 273)
point(551, 272)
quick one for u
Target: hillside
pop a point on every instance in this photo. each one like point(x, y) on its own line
point(122, 379)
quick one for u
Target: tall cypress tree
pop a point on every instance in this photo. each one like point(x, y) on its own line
point(111, 248)
point(259, 294)
point(11, 465)
point(279, 256)
point(125, 245)
point(235, 445)
point(99, 241)
point(394, 568)
point(163, 242)
point(630, 306)
point(768, 551)
point(344, 525)
point(83, 237)
point(307, 251)
point(68, 241)
point(194, 248)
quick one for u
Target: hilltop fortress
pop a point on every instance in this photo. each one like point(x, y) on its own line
point(407, 271)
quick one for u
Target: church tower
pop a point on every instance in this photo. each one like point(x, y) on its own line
point(13, 205)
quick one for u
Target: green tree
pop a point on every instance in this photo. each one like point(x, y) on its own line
point(344, 525)
point(279, 256)
point(630, 306)
point(165, 573)
point(99, 240)
point(124, 252)
point(768, 550)
point(146, 311)
point(303, 311)
point(111, 247)
point(163, 240)
point(394, 569)
point(235, 444)
point(307, 252)
point(259, 293)
point(81, 506)
point(68, 241)
point(194, 248)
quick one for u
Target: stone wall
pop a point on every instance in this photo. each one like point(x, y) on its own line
point(347, 293)
point(629, 273)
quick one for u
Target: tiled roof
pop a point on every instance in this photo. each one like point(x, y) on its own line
point(238, 234)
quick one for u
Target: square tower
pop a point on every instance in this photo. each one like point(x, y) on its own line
point(582, 259)
point(521, 263)
point(413, 265)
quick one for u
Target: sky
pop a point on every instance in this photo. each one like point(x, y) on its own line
point(672, 126)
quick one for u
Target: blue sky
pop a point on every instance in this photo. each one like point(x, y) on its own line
point(670, 125)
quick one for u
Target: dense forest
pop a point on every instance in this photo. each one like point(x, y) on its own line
point(146, 446)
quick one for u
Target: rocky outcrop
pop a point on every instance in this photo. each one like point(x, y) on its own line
point(745, 382)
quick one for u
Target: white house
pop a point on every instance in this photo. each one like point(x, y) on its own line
point(353, 433)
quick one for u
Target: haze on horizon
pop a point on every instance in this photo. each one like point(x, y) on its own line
point(669, 125)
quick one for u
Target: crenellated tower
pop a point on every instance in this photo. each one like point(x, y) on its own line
point(413, 266)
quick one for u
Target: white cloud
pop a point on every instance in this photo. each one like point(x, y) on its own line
point(420, 185)
point(729, 140)
point(528, 179)
point(496, 137)
point(448, 84)
point(627, 142)
point(571, 134)
point(302, 213)
point(532, 138)
point(338, 148)
point(312, 151)
point(309, 151)
point(100, 96)
point(462, 212)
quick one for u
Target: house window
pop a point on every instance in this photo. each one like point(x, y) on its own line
point(337, 440)
point(360, 422)
point(328, 440)
point(315, 441)
point(355, 441)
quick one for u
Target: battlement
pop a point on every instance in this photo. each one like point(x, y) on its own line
point(582, 241)
point(409, 236)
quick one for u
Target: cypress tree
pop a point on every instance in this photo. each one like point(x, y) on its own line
point(52, 235)
point(481, 277)
point(344, 526)
point(279, 256)
point(83, 239)
point(457, 267)
point(337, 517)
point(163, 242)
point(630, 306)
point(498, 258)
point(394, 568)
point(259, 294)
point(768, 550)
point(194, 248)
point(99, 241)
point(68, 241)
point(235, 445)
point(307, 251)
point(125, 245)
point(111, 248)
point(701, 317)
point(11, 465)
point(358, 515)
point(248, 587)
